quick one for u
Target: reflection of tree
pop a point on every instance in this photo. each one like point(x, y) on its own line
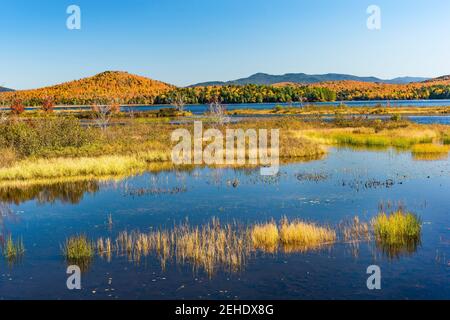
point(66, 192)
point(5, 214)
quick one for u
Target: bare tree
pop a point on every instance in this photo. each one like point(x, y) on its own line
point(218, 113)
point(102, 115)
point(3, 112)
point(178, 101)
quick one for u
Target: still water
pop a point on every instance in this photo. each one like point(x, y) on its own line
point(344, 184)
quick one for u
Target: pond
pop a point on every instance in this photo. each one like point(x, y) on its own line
point(328, 191)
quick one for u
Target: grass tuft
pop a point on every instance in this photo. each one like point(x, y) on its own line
point(305, 234)
point(78, 248)
point(13, 249)
point(397, 232)
point(429, 148)
point(265, 236)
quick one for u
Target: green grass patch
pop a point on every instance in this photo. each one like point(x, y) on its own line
point(397, 232)
point(78, 248)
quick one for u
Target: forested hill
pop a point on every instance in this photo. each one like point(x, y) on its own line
point(124, 88)
point(101, 88)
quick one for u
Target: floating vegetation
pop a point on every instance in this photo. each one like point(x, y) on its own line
point(368, 184)
point(313, 177)
point(155, 191)
point(398, 232)
point(13, 250)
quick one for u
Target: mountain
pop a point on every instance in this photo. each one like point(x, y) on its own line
point(104, 87)
point(267, 79)
point(442, 79)
point(3, 89)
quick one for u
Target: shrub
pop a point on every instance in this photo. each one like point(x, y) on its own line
point(31, 138)
point(17, 107)
point(48, 105)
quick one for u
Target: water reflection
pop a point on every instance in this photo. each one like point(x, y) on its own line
point(215, 247)
point(65, 192)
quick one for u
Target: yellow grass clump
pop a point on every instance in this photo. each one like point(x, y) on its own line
point(265, 236)
point(305, 234)
point(71, 167)
point(429, 149)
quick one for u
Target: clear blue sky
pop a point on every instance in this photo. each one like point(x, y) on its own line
point(188, 41)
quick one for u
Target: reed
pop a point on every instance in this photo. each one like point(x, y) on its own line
point(397, 232)
point(13, 249)
point(305, 234)
point(265, 236)
point(78, 248)
point(430, 149)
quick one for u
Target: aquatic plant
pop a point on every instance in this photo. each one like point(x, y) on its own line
point(78, 248)
point(13, 249)
point(305, 234)
point(429, 148)
point(355, 230)
point(265, 236)
point(397, 232)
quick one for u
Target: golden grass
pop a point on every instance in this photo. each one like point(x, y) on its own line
point(355, 230)
point(75, 167)
point(13, 249)
point(210, 247)
point(265, 236)
point(429, 148)
point(305, 234)
point(215, 247)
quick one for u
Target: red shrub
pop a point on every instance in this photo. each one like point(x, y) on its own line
point(17, 107)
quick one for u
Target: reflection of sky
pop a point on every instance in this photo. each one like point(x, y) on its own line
point(421, 186)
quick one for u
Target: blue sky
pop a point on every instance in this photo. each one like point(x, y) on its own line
point(188, 41)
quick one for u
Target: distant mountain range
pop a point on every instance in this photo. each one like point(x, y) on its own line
point(3, 89)
point(268, 79)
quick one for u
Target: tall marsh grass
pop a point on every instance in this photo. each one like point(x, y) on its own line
point(305, 234)
point(13, 249)
point(429, 149)
point(397, 232)
point(78, 248)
